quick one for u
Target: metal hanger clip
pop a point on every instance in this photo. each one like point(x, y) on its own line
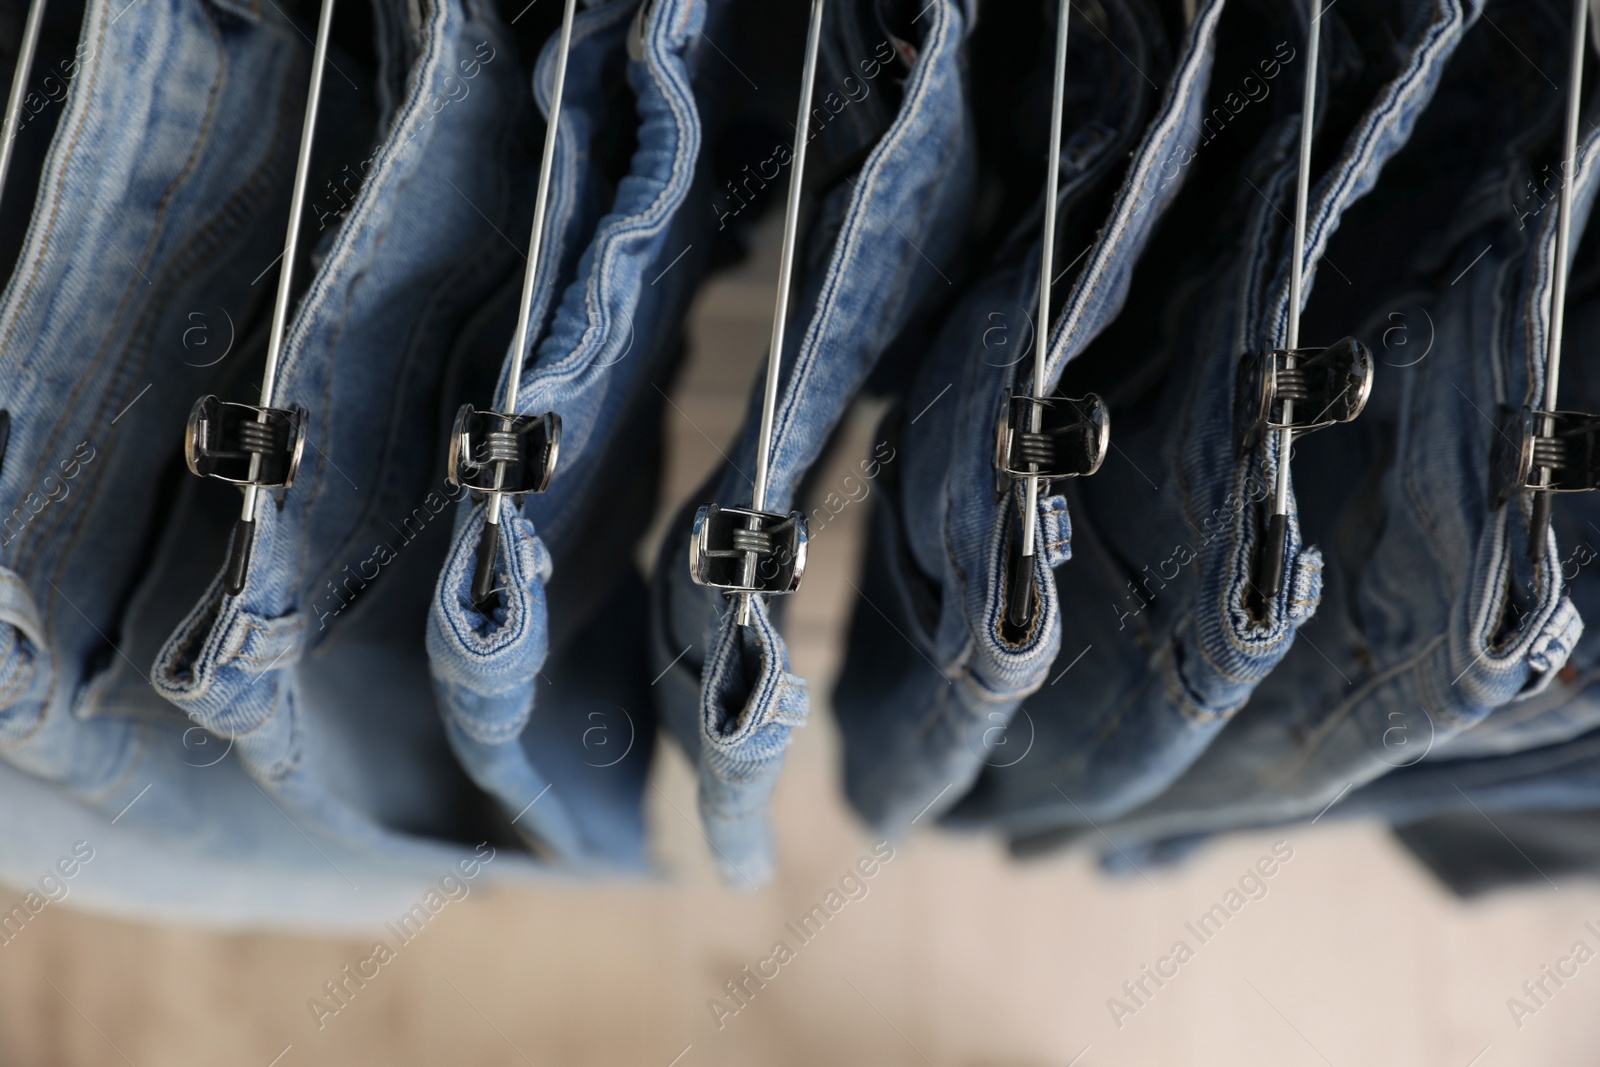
point(1547, 452)
point(1302, 389)
point(510, 454)
point(1555, 451)
point(258, 446)
point(1071, 441)
point(495, 453)
point(245, 444)
point(752, 553)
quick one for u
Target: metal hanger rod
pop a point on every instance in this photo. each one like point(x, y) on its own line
point(791, 228)
point(780, 313)
point(1539, 517)
point(519, 343)
point(1041, 333)
point(1558, 290)
point(291, 245)
point(1302, 194)
point(19, 87)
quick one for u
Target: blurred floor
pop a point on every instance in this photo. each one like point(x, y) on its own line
point(955, 956)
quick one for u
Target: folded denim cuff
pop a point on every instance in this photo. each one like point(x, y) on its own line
point(1007, 667)
point(750, 705)
point(485, 665)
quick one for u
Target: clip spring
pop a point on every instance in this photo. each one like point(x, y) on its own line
point(493, 453)
point(1546, 452)
point(1071, 442)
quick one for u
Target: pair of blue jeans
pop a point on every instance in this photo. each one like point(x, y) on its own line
point(152, 207)
point(306, 673)
point(935, 674)
point(884, 236)
point(1168, 639)
point(1436, 620)
point(161, 198)
point(545, 696)
point(1538, 751)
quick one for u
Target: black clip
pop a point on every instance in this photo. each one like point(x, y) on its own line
point(723, 542)
point(1073, 436)
point(512, 454)
point(1564, 460)
point(1325, 385)
point(223, 438)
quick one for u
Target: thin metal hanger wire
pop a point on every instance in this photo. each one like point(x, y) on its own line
point(19, 86)
point(530, 276)
point(280, 307)
point(1302, 193)
point(1041, 333)
point(1539, 523)
point(780, 314)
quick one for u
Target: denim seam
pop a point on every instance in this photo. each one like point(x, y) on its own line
point(359, 236)
point(46, 532)
point(847, 245)
point(372, 506)
point(652, 222)
point(563, 207)
point(772, 682)
point(1015, 654)
point(468, 642)
point(1166, 126)
point(974, 686)
point(33, 668)
point(1352, 168)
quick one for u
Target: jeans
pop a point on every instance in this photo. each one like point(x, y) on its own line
point(934, 675)
point(569, 758)
point(155, 210)
point(880, 247)
point(314, 674)
point(1435, 617)
point(1538, 753)
point(1189, 645)
point(153, 213)
point(1569, 705)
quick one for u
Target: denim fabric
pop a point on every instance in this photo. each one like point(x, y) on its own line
point(307, 672)
point(1570, 705)
point(1437, 618)
point(156, 209)
point(1561, 777)
point(1473, 856)
point(934, 673)
point(156, 204)
point(881, 244)
point(264, 875)
point(1539, 751)
point(569, 759)
point(1188, 647)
